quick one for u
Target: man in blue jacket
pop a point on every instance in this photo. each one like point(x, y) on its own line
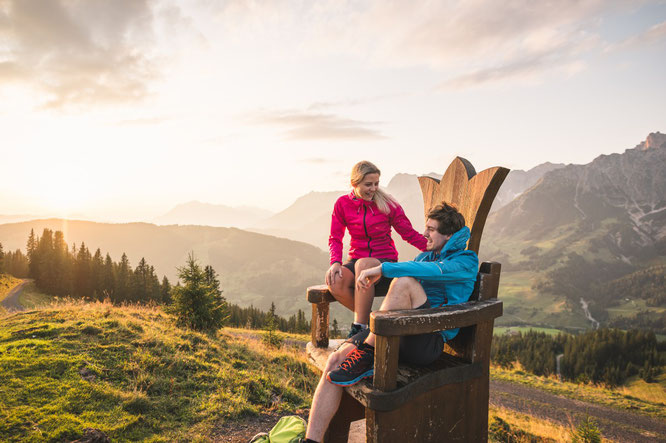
point(443, 275)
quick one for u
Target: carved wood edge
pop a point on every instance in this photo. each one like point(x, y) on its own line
point(319, 294)
point(378, 400)
point(422, 321)
point(365, 393)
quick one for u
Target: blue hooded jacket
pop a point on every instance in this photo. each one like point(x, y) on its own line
point(447, 276)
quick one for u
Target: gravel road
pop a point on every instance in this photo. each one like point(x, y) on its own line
point(615, 424)
point(11, 302)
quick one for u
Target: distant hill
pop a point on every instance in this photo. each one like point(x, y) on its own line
point(16, 218)
point(254, 268)
point(206, 214)
point(308, 219)
point(519, 181)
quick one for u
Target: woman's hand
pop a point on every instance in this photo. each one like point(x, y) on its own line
point(368, 277)
point(333, 273)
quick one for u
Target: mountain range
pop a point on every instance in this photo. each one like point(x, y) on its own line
point(563, 233)
point(207, 214)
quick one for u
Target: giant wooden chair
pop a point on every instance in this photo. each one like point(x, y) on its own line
point(447, 400)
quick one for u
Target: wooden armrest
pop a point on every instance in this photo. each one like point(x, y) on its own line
point(319, 294)
point(421, 321)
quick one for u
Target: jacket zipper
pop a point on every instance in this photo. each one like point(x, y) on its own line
point(365, 212)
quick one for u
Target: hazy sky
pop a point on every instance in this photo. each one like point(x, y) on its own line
point(120, 109)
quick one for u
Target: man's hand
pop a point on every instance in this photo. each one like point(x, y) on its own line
point(368, 277)
point(333, 273)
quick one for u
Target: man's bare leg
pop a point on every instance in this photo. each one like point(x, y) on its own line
point(363, 298)
point(326, 398)
point(404, 293)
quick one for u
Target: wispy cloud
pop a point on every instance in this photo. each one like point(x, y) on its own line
point(651, 36)
point(312, 126)
point(473, 41)
point(79, 52)
point(147, 121)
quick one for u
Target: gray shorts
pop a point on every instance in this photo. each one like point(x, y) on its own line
point(420, 350)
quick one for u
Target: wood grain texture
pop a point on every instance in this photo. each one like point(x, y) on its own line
point(318, 294)
point(412, 322)
point(471, 193)
point(387, 350)
point(319, 326)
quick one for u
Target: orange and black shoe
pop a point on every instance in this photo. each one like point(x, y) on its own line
point(358, 365)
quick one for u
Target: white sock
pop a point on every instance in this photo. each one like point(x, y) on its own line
point(363, 326)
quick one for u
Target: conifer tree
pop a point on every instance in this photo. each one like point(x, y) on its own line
point(82, 280)
point(197, 303)
point(108, 278)
point(165, 290)
point(123, 275)
point(2, 260)
point(30, 250)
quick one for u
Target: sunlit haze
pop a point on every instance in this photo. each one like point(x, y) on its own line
point(119, 110)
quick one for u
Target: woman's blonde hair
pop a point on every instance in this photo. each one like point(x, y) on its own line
point(383, 200)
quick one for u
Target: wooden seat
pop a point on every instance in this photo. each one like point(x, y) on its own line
point(447, 400)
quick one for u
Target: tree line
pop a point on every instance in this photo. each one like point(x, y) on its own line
point(605, 356)
point(75, 272)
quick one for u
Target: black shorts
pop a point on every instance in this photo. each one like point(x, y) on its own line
point(420, 350)
point(382, 286)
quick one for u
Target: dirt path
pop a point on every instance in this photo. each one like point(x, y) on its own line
point(11, 302)
point(624, 426)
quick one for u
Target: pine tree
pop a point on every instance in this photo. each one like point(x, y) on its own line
point(123, 276)
point(214, 282)
point(335, 329)
point(82, 281)
point(97, 275)
point(30, 250)
point(2, 260)
point(108, 279)
point(165, 290)
point(196, 303)
point(271, 337)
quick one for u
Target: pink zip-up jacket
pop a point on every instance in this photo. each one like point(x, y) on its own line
point(369, 229)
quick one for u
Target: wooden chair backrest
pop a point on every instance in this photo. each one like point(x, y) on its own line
point(471, 193)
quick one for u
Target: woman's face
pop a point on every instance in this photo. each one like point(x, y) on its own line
point(368, 186)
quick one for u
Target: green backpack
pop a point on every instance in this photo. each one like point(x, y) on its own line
point(289, 429)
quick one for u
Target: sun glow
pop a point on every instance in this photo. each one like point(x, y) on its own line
point(65, 199)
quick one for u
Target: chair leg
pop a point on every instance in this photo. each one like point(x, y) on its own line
point(349, 410)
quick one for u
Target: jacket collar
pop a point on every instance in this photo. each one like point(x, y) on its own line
point(457, 242)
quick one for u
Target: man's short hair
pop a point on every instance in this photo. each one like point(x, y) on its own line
point(449, 219)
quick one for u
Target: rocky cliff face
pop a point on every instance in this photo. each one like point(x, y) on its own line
point(620, 198)
point(518, 181)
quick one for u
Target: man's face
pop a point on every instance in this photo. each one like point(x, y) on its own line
point(436, 240)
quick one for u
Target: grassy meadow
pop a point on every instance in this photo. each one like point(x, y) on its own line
point(129, 372)
point(637, 395)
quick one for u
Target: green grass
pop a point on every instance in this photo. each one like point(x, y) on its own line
point(145, 378)
point(622, 398)
point(500, 330)
point(522, 305)
point(32, 298)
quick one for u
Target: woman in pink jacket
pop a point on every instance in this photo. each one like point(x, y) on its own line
point(368, 213)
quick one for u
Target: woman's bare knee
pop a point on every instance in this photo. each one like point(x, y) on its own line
point(365, 263)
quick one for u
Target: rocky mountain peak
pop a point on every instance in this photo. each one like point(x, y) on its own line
point(655, 140)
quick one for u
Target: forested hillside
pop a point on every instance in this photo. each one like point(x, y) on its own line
point(254, 269)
